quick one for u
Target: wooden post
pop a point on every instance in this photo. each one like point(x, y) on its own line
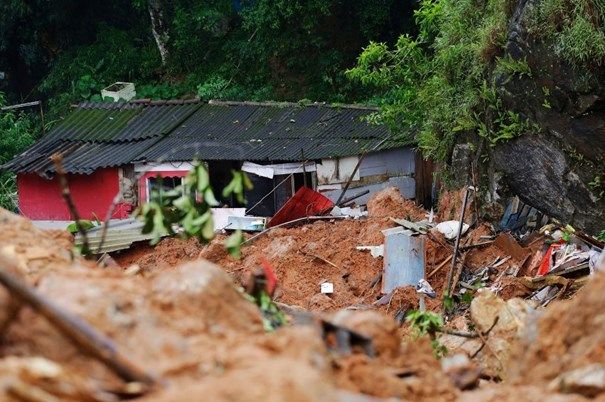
point(457, 244)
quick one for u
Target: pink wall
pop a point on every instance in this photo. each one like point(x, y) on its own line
point(40, 199)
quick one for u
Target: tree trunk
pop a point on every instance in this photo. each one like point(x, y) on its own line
point(159, 27)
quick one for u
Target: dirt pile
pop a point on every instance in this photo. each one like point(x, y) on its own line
point(450, 206)
point(569, 336)
point(304, 256)
point(189, 326)
point(169, 252)
point(33, 250)
point(389, 203)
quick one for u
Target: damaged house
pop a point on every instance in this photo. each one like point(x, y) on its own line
point(123, 148)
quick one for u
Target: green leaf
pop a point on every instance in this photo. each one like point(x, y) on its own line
point(209, 197)
point(203, 179)
point(85, 224)
point(208, 228)
point(233, 244)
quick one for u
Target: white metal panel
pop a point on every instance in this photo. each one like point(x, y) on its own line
point(406, 186)
point(327, 171)
point(332, 171)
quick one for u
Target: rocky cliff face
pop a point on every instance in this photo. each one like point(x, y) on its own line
point(552, 169)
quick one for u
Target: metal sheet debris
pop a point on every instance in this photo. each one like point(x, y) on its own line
point(403, 260)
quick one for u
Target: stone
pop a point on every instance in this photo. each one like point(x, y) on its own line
point(512, 315)
point(551, 170)
point(588, 381)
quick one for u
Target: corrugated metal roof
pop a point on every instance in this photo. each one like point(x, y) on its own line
point(99, 135)
point(79, 157)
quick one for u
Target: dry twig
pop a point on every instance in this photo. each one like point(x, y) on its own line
point(66, 193)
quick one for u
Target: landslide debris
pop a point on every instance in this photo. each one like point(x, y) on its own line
point(192, 328)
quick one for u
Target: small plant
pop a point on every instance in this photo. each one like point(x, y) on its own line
point(512, 66)
point(598, 186)
point(424, 322)
point(601, 236)
point(187, 207)
point(546, 93)
point(84, 224)
point(427, 323)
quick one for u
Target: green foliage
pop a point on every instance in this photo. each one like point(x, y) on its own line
point(16, 134)
point(273, 317)
point(582, 43)
point(186, 208)
point(181, 206)
point(574, 27)
point(439, 85)
point(427, 323)
point(238, 184)
point(80, 73)
point(601, 236)
point(424, 322)
point(85, 224)
point(234, 243)
point(511, 66)
point(8, 192)
point(597, 185)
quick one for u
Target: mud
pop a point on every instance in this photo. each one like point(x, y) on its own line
point(188, 325)
point(569, 335)
point(182, 316)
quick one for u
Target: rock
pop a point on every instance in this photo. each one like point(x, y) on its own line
point(486, 307)
point(588, 381)
point(381, 329)
point(551, 186)
point(462, 158)
point(463, 373)
point(511, 393)
point(280, 246)
point(568, 152)
point(321, 302)
point(450, 229)
point(40, 379)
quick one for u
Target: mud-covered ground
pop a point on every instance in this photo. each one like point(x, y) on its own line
point(185, 320)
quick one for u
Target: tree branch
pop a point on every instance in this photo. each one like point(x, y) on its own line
point(66, 194)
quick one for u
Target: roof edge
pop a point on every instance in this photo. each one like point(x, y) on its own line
point(292, 104)
point(216, 102)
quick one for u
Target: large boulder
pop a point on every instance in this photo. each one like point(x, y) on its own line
point(551, 170)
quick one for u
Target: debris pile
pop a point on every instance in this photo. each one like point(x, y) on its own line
point(178, 324)
point(191, 330)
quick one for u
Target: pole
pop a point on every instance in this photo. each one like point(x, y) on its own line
point(302, 157)
point(457, 244)
point(344, 190)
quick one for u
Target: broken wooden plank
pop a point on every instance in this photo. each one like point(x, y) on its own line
point(418, 227)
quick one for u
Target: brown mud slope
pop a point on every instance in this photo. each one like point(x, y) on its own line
point(304, 257)
point(569, 336)
point(189, 326)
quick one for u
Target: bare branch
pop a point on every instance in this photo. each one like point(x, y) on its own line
point(66, 193)
point(110, 211)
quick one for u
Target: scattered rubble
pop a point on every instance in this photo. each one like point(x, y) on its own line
point(178, 310)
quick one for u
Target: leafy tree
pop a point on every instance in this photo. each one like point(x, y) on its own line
point(15, 136)
point(439, 84)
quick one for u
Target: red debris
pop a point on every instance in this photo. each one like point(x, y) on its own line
point(305, 202)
